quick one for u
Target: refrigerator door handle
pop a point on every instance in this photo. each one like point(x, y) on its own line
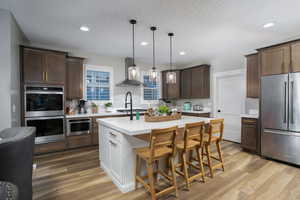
point(292, 102)
point(285, 90)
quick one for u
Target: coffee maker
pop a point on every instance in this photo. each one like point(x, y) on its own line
point(81, 107)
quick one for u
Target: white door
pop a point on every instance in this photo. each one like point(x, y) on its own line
point(230, 103)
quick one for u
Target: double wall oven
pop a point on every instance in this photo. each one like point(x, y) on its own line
point(44, 109)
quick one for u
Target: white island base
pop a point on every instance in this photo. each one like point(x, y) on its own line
point(118, 137)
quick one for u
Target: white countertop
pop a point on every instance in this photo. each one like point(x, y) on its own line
point(136, 127)
point(254, 116)
point(100, 114)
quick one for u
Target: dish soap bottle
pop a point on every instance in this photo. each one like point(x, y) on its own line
point(137, 115)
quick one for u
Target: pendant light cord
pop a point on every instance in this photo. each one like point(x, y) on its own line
point(171, 55)
point(133, 45)
point(153, 51)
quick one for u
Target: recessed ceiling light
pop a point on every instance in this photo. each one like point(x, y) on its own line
point(144, 43)
point(268, 25)
point(84, 28)
point(182, 53)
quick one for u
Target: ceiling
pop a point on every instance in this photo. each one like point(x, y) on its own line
point(208, 30)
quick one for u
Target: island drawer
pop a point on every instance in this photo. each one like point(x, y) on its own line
point(114, 135)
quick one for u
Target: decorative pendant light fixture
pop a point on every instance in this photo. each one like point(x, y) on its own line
point(171, 75)
point(133, 70)
point(153, 73)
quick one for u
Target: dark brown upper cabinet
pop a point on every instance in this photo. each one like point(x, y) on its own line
point(186, 82)
point(74, 78)
point(253, 85)
point(43, 66)
point(295, 56)
point(195, 82)
point(170, 91)
point(275, 60)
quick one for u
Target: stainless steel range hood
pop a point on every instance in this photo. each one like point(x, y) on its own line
point(127, 82)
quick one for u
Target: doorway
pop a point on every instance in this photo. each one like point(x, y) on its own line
point(229, 101)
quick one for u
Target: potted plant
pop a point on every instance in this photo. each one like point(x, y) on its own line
point(163, 110)
point(94, 108)
point(108, 106)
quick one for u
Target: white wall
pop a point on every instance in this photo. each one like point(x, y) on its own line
point(10, 38)
point(118, 65)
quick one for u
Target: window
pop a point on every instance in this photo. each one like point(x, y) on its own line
point(151, 90)
point(98, 84)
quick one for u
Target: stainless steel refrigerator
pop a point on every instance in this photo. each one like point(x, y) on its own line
point(280, 106)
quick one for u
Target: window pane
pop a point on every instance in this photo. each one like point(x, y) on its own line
point(98, 87)
point(151, 89)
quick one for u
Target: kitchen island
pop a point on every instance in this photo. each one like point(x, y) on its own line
point(118, 137)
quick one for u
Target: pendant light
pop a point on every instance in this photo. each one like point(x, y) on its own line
point(171, 75)
point(153, 73)
point(133, 70)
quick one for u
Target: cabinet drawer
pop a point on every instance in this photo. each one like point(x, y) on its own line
point(249, 121)
point(50, 147)
point(79, 141)
point(114, 135)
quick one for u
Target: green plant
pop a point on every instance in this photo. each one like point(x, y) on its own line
point(94, 105)
point(107, 105)
point(163, 109)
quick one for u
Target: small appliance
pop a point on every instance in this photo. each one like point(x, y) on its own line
point(197, 107)
point(187, 106)
point(79, 126)
point(81, 107)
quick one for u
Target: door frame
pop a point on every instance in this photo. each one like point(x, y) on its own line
point(218, 75)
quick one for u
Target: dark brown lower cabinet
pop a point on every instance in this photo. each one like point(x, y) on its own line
point(79, 141)
point(250, 135)
point(196, 114)
point(50, 147)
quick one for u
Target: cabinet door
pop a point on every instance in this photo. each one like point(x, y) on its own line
point(249, 134)
point(295, 51)
point(186, 83)
point(170, 91)
point(275, 60)
point(205, 82)
point(56, 68)
point(252, 76)
point(115, 161)
point(196, 82)
point(33, 66)
point(164, 85)
point(74, 82)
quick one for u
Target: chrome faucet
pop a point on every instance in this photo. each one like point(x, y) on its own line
point(130, 102)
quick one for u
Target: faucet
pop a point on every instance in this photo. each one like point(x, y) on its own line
point(130, 102)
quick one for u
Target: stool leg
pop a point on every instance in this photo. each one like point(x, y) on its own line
point(220, 154)
point(151, 180)
point(137, 170)
point(174, 176)
point(207, 148)
point(185, 170)
point(199, 155)
point(156, 171)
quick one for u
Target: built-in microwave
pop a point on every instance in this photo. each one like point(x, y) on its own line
point(79, 126)
point(43, 101)
point(48, 129)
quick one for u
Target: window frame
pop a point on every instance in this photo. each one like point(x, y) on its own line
point(143, 101)
point(111, 81)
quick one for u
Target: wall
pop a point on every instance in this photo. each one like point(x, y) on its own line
point(10, 38)
point(118, 65)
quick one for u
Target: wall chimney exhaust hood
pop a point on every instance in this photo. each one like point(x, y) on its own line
point(127, 82)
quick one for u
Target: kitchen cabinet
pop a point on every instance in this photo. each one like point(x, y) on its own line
point(196, 114)
point(79, 141)
point(200, 81)
point(74, 78)
point(295, 56)
point(43, 66)
point(170, 91)
point(250, 135)
point(275, 60)
point(50, 147)
point(253, 86)
point(186, 82)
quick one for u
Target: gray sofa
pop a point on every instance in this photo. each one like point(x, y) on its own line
point(16, 158)
point(8, 191)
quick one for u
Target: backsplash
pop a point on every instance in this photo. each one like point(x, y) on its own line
point(206, 103)
point(251, 104)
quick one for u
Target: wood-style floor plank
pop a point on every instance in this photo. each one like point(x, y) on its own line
point(76, 175)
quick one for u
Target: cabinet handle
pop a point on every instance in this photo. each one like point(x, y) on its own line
point(114, 135)
point(113, 143)
point(46, 76)
point(249, 121)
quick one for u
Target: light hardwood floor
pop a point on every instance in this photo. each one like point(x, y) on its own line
point(75, 175)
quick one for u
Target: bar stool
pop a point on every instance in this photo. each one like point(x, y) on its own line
point(214, 135)
point(162, 145)
point(192, 132)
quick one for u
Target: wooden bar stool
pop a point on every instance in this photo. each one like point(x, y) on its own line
point(162, 145)
point(192, 132)
point(214, 135)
